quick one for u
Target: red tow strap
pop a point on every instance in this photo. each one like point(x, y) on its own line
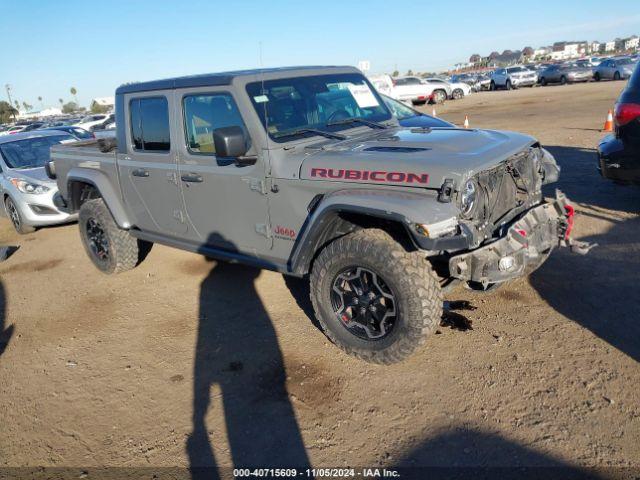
point(570, 214)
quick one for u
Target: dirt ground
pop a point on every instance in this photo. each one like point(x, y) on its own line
point(186, 362)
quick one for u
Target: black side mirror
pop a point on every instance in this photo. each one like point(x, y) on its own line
point(50, 169)
point(230, 142)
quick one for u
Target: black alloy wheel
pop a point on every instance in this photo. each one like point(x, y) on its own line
point(364, 303)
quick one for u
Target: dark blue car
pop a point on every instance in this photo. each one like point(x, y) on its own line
point(619, 153)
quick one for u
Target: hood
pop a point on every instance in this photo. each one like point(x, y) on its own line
point(35, 175)
point(411, 157)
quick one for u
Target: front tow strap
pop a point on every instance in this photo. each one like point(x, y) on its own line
point(575, 246)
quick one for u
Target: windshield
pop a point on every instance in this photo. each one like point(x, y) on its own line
point(516, 69)
point(318, 102)
point(30, 152)
point(402, 112)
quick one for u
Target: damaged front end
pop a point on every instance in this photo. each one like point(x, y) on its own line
point(507, 228)
point(524, 246)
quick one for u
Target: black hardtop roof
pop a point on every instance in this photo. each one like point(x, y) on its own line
point(212, 79)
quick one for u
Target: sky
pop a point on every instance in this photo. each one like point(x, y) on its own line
point(49, 46)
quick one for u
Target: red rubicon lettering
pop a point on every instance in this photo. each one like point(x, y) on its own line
point(367, 175)
point(352, 174)
point(414, 178)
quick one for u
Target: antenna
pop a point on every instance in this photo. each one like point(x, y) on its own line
point(264, 104)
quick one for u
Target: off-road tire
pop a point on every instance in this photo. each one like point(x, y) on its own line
point(409, 277)
point(14, 215)
point(124, 251)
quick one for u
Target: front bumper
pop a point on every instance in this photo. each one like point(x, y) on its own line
point(527, 243)
point(40, 210)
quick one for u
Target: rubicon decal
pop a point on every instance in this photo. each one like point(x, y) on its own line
point(370, 175)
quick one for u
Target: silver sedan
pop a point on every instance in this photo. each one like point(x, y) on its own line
point(25, 190)
point(614, 69)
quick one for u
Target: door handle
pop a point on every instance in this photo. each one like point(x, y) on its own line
point(192, 178)
point(140, 173)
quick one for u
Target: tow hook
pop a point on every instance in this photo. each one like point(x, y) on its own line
point(581, 248)
point(576, 246)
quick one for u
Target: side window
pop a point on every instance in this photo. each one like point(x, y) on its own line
point(150, 124)
point(203, 114)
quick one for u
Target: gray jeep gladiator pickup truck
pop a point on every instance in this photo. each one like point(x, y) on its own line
point(305, 171)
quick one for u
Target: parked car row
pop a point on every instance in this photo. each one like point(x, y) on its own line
point(583, 70)
point(418, 91)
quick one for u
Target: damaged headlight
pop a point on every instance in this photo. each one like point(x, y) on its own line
point(468, 197)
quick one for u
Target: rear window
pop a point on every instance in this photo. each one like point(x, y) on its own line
point(516, 69)
point(150, 124)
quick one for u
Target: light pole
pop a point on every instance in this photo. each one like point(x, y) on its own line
point(8, 89)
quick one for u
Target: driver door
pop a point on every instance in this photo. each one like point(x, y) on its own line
point(226, 204)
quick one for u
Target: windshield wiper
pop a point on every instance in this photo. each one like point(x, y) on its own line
point(315, 131)
point(368, 123)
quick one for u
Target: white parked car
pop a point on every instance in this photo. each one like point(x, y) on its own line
point(513, 77)
point(455, 90)
point(95, 121)
point(412, 89)
point(383, 84)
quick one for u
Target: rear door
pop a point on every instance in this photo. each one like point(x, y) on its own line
point(148, 171)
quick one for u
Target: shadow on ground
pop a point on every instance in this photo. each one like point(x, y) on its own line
point(237, 350)
point(469, 454)
point(5, 333)
point(599, 291)
point(582, 183)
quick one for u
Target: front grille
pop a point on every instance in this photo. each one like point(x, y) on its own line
point(508, 189)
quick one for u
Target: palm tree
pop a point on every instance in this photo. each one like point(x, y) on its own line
point(74, 92)
point(17, 104)
point(41, 104)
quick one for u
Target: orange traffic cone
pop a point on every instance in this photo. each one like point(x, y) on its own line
point(466, 122)
point(433, 112)
point(608, 125)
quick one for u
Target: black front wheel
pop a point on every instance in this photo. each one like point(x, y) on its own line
point(111, 249)
point(372, 298)
point(616, 76)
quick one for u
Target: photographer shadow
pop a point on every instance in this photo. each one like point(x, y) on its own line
point(237, 349)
